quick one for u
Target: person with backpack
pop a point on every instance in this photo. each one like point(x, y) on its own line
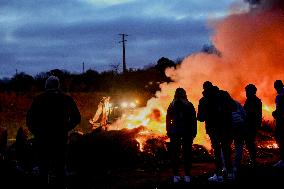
point(181, 126)
point(215, 109)
point(238, 122)
point(278, 115)
point(253, 108)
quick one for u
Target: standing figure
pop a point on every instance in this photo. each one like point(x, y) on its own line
point(278, 115)
point(253, 108)
point(215, 109)
point(51, 115)
point(181, 125)
point(102, 113)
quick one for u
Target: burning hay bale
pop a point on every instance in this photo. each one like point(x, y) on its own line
point(103, 150)
point(266, 144)
point(155, 154)
point(201, 154)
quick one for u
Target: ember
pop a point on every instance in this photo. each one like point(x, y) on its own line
point(274, 145)
point(269, 145)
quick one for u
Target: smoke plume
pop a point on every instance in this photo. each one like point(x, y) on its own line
point(251, 50)
point(266, 4)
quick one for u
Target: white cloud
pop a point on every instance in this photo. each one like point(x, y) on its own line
point(105, 3)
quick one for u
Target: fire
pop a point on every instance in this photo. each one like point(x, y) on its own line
point(267, 111)
point(251, 51)
point(274, 145)
point(153, 117)
point(251, 46)
point(269, 145)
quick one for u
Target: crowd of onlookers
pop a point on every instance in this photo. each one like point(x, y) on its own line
point(53, 114)
point(227, 122)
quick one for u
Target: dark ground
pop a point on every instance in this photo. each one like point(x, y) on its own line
point(261, 176)
point(110, 160)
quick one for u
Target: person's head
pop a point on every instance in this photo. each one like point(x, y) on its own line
point(52, 82)
point(250, 90)
point(207, 85)
point(278, 86)
point(180, 93)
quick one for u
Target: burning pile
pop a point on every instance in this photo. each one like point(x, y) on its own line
point(251, 44)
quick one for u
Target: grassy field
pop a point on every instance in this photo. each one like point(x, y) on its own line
point(14, 106)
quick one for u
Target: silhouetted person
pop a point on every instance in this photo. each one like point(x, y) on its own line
point(51, 115)
point(253, 108)
point(181, 125)
point(278, 115)
point(215, 108)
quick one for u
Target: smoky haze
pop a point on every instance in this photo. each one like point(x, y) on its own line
point(252, 51)
point(266, 4)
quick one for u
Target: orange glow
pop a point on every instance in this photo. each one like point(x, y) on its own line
point(269, 145)
point(153, 117)
point(252, 51)
point(274, 145)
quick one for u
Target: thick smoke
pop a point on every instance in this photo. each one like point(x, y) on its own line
point(252, 51)
point(251, 46)
point(266, 4)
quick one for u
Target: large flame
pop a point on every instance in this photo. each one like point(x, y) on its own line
point(251, 44)
point(153, 117)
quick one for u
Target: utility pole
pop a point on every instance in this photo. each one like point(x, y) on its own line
point(83, 67)
point(123, 51)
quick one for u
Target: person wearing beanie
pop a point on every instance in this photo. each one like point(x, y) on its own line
point(253, 109)
point(51, 115)
point(52, 83)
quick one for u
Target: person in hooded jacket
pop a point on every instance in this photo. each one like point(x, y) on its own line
point(51, 115)
point(253, 109)
point(181, 125)
point(215, 109)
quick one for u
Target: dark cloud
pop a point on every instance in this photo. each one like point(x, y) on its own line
point(266, 4)
point(253, 2)
point(62, 34)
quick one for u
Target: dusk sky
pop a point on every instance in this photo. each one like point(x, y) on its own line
point(40, 35)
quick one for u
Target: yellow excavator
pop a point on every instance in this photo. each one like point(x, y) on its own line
point(101, 116)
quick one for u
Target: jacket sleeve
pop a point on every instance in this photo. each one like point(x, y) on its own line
point(193, 121)
point(74, 114)
point(259, 113)
point(201, 110)
point(242, 111)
